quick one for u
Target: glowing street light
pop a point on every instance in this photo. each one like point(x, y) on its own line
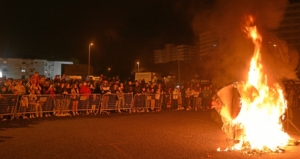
point(138, 63)
point(91, 44)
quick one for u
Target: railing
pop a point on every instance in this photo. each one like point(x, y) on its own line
point(116, 102)
point(31, 106)
point(8, 104)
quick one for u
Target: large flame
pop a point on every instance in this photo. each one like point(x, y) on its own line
point(259, 119)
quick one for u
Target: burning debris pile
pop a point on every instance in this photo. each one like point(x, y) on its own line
point(253, 111)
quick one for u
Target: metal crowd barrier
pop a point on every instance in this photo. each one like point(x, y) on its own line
point(128, 98)
point(140, 101)
point(38, 105)
point(8, 104)
point(147, 101)
point(88, 103)
point(116, 102)
point(46, 105)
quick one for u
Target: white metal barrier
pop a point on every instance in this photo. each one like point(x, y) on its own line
point(8, 104)
point(116, 102)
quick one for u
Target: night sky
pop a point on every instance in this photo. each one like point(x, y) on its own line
point(123, 32)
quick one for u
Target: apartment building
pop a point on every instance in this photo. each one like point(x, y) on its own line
point(18, 68)
point(172, 52)
point(289, 29)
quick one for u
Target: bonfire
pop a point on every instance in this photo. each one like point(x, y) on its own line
point(253, 111)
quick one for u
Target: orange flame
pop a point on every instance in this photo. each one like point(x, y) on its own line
point(260, 119)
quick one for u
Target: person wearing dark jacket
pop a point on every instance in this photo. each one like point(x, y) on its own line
point(128, 87)
point(58, 98)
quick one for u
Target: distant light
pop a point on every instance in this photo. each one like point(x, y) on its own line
point(0, 74)
point(108, 69)
point(275, 45)
point(91, 44)
point(23, 70)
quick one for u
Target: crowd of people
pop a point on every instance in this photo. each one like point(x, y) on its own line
point(189, 96)
point(192, 96)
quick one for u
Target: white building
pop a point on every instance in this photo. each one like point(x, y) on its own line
point(171, 52)
point(18, 68)
point(53, 68)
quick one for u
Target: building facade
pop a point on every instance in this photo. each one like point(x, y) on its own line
point(171, 52)
point(208, 42)
point(18, 68)
point(289, 29)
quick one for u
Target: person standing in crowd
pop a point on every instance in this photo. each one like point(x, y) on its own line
point(128, 87)
point(175, 95)
point(137, 88)
point(182, 93)
point(39, 105)
point(120, 99)
point(188, 94)
point(74, 98)
point(50, 92)
point(157, 99)
point(56, 79)
point(19, 88)
point(4, 101)
point(58, 99)
point(35, 79)
point(199, 99)
point(114, 88)
point(66, 99)
point(105, 90)
point(137, 103)
point(164, 100)
point(169, 97)
point(32, 103)
point(85, 91)
point(205, 98)
point(195, 98)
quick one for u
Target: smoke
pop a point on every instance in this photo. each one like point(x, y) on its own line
point(230, 61)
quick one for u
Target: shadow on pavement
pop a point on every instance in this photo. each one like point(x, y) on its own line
point(4, 138)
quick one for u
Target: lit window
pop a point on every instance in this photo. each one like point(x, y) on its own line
point(23, 70)
point(0, 74)
point(45, 72)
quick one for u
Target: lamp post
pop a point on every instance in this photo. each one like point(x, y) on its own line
point(178, 67)
point(91, 44)
point(138, 63)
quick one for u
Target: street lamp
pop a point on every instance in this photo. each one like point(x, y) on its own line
point(178, 65)
point(91, 44)
point(138, 63)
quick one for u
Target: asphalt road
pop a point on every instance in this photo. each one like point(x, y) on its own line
point(167, 134)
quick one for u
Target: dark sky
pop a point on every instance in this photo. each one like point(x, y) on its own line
point(123, 31)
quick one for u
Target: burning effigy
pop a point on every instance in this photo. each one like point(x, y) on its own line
point(252, 111)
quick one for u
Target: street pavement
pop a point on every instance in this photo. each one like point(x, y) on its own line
point(154, 135)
